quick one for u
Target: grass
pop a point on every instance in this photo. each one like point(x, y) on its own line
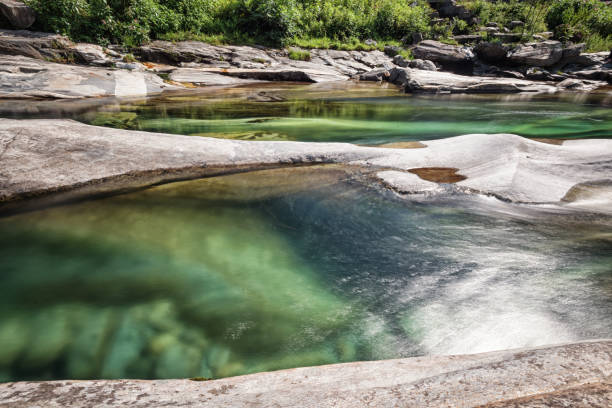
point(597, 43)
point(299, 55)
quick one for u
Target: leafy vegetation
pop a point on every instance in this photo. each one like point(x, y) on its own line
point(299, 55)
point(238, 21)
point(338, 24)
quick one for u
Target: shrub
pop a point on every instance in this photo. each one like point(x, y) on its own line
point(396, 19)
point(583, 17)
point(299, 55)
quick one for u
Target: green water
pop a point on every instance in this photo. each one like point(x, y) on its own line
point(287, 268)
point(358, 113)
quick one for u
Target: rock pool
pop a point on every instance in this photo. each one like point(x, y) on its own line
point(358, 113)
point(301, 266)
point(290, 267)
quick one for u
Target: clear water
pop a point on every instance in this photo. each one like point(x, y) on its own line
point(286, 268)
point(358, 113)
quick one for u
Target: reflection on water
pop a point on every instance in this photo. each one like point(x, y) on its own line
point(285, 268)
point(359, 113)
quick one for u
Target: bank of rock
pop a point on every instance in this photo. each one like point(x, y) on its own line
point(546, 66)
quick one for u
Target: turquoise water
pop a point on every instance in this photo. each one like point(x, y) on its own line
point(284, 268)
point(358, 113)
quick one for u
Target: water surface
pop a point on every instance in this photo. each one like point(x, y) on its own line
point(286, 268)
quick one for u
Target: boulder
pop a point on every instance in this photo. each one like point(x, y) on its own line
point(43, 46)
point(544, 54)
point(392, 50)
point(572, 84)
point(376, 75)
point(400, 61)
point(516, 23)
point(450, 56)
point(424, 65)
point(491, 52)
point(92, 54)
point(17, 13)
point(571, 53)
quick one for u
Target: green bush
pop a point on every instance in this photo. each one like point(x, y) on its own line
point(276, 22)
point(299, 55)
point(578, 19)
point(396, 19)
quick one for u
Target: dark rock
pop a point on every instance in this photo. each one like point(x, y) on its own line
point(417, 38)
point(376, 75)
point(17, 13)
point(516, 23)
point(538, 74)
point(544, 54)
point(451, 9)
point(578, 85)
point(400, 61)
point(42, 46)
point(571, 53)
point(424, 65)
point(392, 50)
point(491, 52)
point(492, 24)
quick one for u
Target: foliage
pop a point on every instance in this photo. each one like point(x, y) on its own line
point(299, 55)
point(272, 22)
point(339, 24)
point(576, 20)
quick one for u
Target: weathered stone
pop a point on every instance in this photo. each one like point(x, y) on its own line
point(24, 77)
point(423, 65)
point(578, 85)
point(400, 61)
point(544, 54)
point(444, 54)
point(41, 157)
point(566, 375)
point(17, 13)
point(35, 45)
point(204, 77)
point(392, 50)
point(378, 74)
point(516, 23)
point(92, 54)
point(421, 81)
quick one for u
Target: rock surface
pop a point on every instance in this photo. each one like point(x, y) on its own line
point(23, 78)
point(40, 157)
point(423, 81)
point(543, 54)
point(566, 374)
point(443, 53)
point(17, 13)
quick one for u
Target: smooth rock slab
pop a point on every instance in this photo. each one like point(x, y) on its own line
point(573, 372)
point(422, 81)
point(24, 78)
point(41, 157)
